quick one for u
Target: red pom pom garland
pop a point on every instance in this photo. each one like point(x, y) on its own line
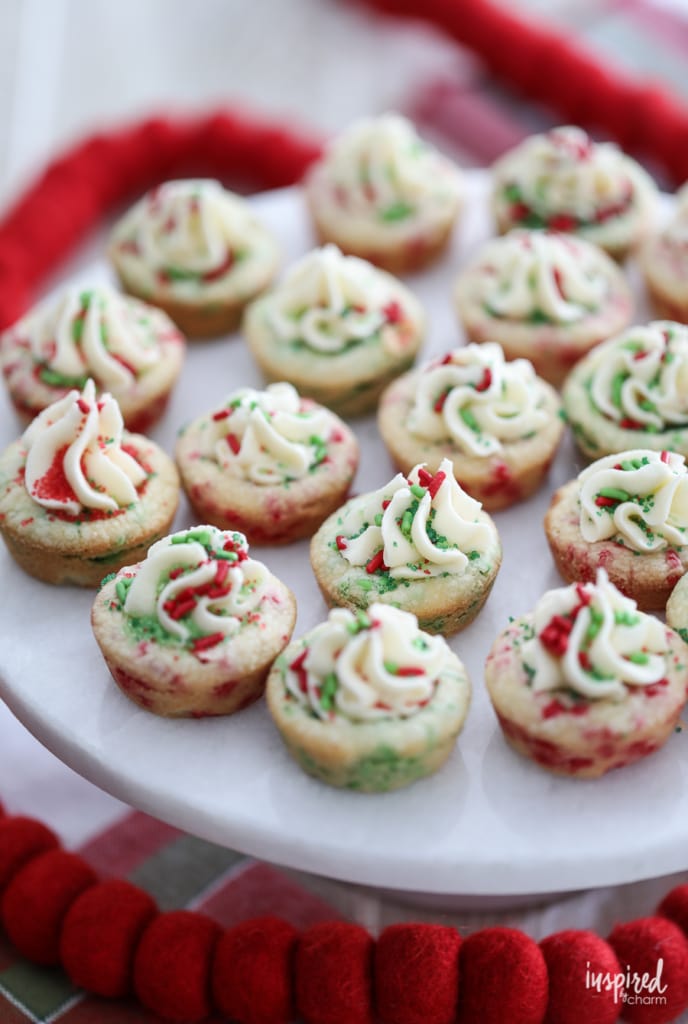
point(654, 953)
point(516, 992)
point(100, 934)
point(252, 972)
point(333, 970)
point(37, 899)
point(110, 939)
point(417, 974)
point(21, 839)
point(172, 965)
point(585, 979)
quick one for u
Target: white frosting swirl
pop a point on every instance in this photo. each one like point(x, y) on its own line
point(540, 276)
point(379, 169)
point(563, 172)
point(190, 231)
point(640, 496)
point(641, 377)
point(591, 639)
point(330, 301)
point(477, 400)
point(368, 666)
point(267, 437)
point(197, 583)
point(417, 531)
point(97, 333)
point(75, 458)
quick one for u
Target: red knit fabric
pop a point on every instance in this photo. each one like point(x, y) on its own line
point(100, 933)
point(674, 906)
point(572, 957)
point(503, 978)
point(543, 64)
point(417, 974)
point(251, 978)
point(334, 974)
point(640, 945)
point(172, 965)
point(21, 839)
point(35, 902)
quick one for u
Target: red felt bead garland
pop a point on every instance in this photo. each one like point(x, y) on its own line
point(262, 971)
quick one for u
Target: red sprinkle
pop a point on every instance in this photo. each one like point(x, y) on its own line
point(605, 502)
point(386, 503)
point(233, 442)
point(178, 609)
point(393, 312)
point(54, 484)
point(436, 483)
point(562, 222)
point(629, 424)
point(221, 572)
point(297, 666)
point(176, 573)
point(584, 661)
point(439, 402)
point(665, 457)
point(410, 670)
point(222, 414)
point(640, 355)
point(376, 563)
point(221, 270)
point(202, 643)
point(484, 384)
point(83, 406)
point(555, 636)
point(341, 542)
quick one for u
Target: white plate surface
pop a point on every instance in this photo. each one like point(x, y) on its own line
point(490, 822)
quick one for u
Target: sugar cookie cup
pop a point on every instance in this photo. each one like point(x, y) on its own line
point(664, 263)
point(565, 181)
point(193, 629)
point(629, 514)
point(196, 251)
point(79, 496)
point(336, 328)
point(367, 701)
point(497, 422)
point(418, 543)
point(587, 683)
point(381, 193)
point(677, 609)
point(128, 348)
point(543, 296)
point(268, 463)
point(632, 392)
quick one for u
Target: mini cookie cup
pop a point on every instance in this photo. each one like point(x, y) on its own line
point(496, 481)
point(171, 681)
point(82, 549)
point(371, 756)
point(647, 577)
point(582, 739)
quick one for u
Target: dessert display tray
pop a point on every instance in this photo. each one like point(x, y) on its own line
point(490, 823)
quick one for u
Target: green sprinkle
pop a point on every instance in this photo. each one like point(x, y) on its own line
point(596, 620)
point(328, 691)
point(58, 380)
point(106, 579)
point(378, 519)
point(78, 329)
point(617, 384)
point(398, 211)
point(615, 493)
point(626, 619)
point(417, 491)
point(639, 658)
point(470, 420)
point(202, 536)
point(122, 588)
point(406, 522)
point(392, 667)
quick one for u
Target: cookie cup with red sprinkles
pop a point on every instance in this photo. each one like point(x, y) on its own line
point(632, 392)
point(336, 328)
point(196, 251)
point(380, 192)
point(497, 422)
point(419, 543)
point(629, 514)
point(367, 701)
point(130, 349)
point(587, 683)
point(193, 629)
point(79, 496)
point(565, 181)
point(543, 296)
point(269, 463)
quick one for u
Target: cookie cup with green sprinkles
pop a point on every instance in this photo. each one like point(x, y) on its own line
point(193, 629)
point(497, 422)
point(587, 683)
point(419, 543)
point(336, 328)
point(632, 392)
point(629, 514)
point(367, 701)
point(269, 463)
point(80, 496)
point(197, 252)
